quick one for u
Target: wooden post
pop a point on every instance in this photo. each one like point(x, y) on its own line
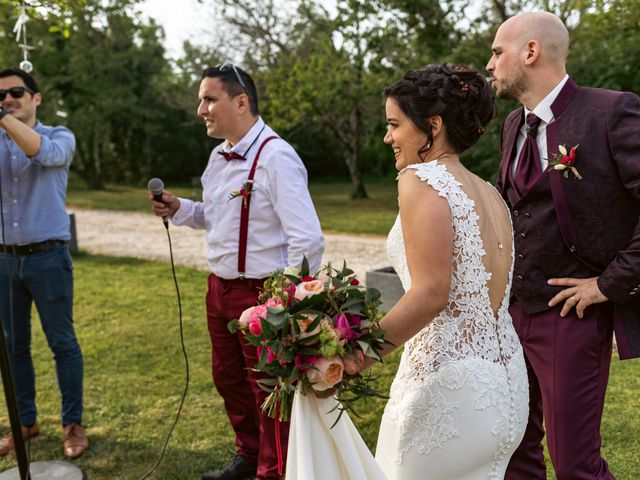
point(73, 242)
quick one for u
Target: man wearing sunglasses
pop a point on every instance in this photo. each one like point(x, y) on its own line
point(258, 217)
point(35, 265)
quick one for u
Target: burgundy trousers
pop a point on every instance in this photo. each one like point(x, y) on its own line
point(231, 360)
point(568, 363)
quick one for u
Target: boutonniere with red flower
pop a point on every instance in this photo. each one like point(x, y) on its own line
point(565, 161)
point(244, 192)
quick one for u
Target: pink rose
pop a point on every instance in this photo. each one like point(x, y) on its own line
point(274, 302)
point(308, 289)
point(255, 326)
point(290, 293)
point(354, 320)
point(326, 373)
point(250, 319)
point(243, 321)
point(270, 355)
point(343, 324)
point(353, 362)
point(258, 312)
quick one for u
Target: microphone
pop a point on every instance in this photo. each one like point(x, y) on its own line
point(156, 186)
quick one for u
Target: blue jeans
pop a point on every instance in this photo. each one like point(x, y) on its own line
point(45, 278)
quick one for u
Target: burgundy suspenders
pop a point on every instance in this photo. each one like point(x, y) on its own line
point(244, 212)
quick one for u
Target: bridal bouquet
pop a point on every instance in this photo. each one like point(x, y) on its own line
point(312, 333)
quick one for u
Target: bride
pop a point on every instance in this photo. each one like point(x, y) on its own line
point(459, 402)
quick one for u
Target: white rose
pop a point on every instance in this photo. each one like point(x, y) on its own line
point(308, 289)
point(327, 372)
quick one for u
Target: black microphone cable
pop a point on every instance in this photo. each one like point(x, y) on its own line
point(186, 362)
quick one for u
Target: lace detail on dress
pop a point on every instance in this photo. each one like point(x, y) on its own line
point(465, 345)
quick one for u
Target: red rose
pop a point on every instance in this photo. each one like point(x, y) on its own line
point(302, 360)
point(270, 355)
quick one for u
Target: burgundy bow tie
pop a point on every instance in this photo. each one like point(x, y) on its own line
point(231, 155)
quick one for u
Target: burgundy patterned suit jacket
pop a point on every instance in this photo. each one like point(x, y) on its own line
point(603, 208)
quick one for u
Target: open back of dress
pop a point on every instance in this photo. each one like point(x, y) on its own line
point(459, 403)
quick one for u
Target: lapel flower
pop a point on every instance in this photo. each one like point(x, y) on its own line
point(564, 161)
point(244, 192)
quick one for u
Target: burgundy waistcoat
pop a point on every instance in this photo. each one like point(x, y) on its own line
point(603, 207)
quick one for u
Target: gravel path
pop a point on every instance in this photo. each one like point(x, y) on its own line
point(142, 235)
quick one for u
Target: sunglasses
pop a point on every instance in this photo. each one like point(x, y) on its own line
point(16, 92)
point(227, 67)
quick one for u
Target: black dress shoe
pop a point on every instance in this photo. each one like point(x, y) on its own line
point(238, 469)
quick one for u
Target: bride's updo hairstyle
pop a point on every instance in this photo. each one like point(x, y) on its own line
point(462, 97)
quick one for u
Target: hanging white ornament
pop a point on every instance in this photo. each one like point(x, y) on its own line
point(20, 30)
point(19, 27)
point(26, 65)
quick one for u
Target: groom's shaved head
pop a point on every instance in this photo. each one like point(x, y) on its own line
point(544, 27)
point(529, 57)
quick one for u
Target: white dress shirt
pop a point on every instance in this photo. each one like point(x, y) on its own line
point(544, 113)
point(283, 224)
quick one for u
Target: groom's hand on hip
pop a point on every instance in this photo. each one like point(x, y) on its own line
point(581, 293)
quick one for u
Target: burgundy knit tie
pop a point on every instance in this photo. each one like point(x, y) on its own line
point(528, 169)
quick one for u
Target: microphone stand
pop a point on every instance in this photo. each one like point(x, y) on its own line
point(39, 470)
point(12, 409)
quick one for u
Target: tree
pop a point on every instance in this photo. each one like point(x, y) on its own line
point(604, 50)
point(320, 76)
point(105, 75)
point(315, 74)
point(319, 82)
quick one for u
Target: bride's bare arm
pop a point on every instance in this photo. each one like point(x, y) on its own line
point(428, 237)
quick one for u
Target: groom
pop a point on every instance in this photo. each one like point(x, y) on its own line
point(577, 240)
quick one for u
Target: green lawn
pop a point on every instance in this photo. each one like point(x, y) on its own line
point(127, 323)
point(337, 212)
point(118, 197)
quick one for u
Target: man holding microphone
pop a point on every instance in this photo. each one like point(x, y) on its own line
point(258, 216)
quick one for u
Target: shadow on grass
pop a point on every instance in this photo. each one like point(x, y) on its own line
point(111, 458)
point(126, 319)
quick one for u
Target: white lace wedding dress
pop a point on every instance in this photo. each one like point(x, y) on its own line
point(459, 403)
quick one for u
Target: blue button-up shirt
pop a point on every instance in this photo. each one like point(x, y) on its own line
point(34, 189)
